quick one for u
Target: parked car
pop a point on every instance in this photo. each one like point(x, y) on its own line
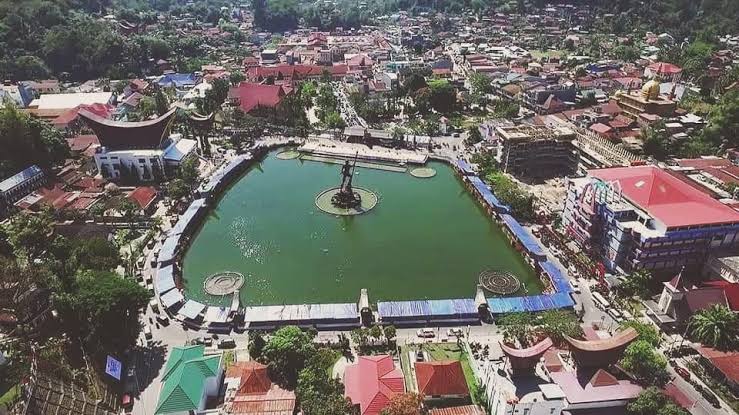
point(163, 320)
point(682, 372)
point(426, 332)
point(711, 398)
point(227, 343)
point(455, 332)
point(575, 286)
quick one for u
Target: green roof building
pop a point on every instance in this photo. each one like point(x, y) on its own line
point(189, 379)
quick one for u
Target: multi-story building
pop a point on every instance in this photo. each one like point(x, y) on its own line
point(138, 151)
point(646, 101)
point(20, 184)
point(644, 217)
point(535, 150)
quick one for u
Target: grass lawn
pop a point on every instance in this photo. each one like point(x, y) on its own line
point(11, 395)
point(440, 351)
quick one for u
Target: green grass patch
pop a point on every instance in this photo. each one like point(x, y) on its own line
point(10, 396)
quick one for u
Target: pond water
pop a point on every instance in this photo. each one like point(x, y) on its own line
point(426, 238)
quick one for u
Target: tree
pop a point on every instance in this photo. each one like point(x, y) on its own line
point(30, 235)
point(716, 326)
point(360, 336)
point(319, 394)
point(103, 310)
point(26, 141)
point(256, 344)
point(96, 254)
point(236, 78)
point(375, 331)
point(652, 401)
point(389, 332)
point(518, 327)
point(474, 135)
point(656, 140)
point(636, 284)
point(443, 96)
point(161, 102)
point(643, 361)
point(723, 122)
point(647, 332)
point(408, 403)
point(334, 121)
point(286, 353)
point(559, 323)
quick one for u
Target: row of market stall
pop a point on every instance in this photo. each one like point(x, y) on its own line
point(558, 289)
point(191, 312)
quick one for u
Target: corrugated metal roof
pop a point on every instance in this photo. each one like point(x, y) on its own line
point(455, 307)
point(20, 177)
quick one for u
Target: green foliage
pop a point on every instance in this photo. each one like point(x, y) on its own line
point(503, 108)
point(636, 284)
point(286, 353)
point(276, 15)
point(25, 141)
point(256, 345)
point(723, 122)
point(557, 324)
point(28, 234)
point(103, 309)
point(214, 97)
point(518, 328)
point(656, 141)
point(389, 332)
point(643, 361)
point(716, 326)
point(443, 97)
point(236, 77)
point(333, 120)
point(626, 53)
point(647, 332)
point(96, 254)
point(320, 394)
point(652, 401)
point(508, 192)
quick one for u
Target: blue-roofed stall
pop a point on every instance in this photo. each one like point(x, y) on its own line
point(530, 303)
point(169, 250)
point(487, 195)
point(319, 315)
point(465, 167)
point(165, 279)
point(524, 237)
point(557, 276)
point(454, 311)
point(171, 298)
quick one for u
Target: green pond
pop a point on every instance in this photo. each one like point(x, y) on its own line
point(426, 238)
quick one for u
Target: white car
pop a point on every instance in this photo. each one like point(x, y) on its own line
point(426, 332)
point(575, 286)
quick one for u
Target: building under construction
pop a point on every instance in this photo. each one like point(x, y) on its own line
point(536, 151)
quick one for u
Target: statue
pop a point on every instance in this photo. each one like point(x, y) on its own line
point(347, 198)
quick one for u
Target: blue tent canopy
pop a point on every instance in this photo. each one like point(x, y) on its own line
point(457, 307)
point(523, 236)
point(487, 195)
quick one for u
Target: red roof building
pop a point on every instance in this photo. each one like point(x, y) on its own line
point(372, 382)
point(144, 197)
point(443, 378)
point(602, 390)
point(723, 364)
point(666, 198)
point(249, 391)
point(250, 96)
point(294, 72)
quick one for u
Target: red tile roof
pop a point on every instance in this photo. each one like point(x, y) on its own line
point(458, 410)
point(143, 196)
point(372, 382)
point(251, 95)
point(668, 199)
point(102, 110)
point(82, 142)
point(731, 290)
point(256, 394)
point(444, 377)
point(254, 377)
point(294, 71)
point(678, 395)
point(726, 362)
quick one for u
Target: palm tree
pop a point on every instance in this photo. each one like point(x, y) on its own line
point(716, 326)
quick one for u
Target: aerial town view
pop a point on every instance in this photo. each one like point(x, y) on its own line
point(378, 207)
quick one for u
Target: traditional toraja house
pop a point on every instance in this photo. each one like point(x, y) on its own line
point(137, 151)
point(249, 390)
point(524, 361)
point(603, 352)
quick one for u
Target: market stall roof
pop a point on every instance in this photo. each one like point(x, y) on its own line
point(171, 298)
point(169, 247)
point(455, 307)
point(192, 309)
point(165, 279)
point(301, 312)
point(217, 314)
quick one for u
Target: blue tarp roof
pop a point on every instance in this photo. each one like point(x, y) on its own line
point(171, 298)
point(169, 248)
point(464, 166)
point(192, 309)
point(556, 274)
point(178, 80)
point(165, 279)
point(487, 195)
point(20, 177)
point(427, 308)
point(530, 303)
point(523, 236)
